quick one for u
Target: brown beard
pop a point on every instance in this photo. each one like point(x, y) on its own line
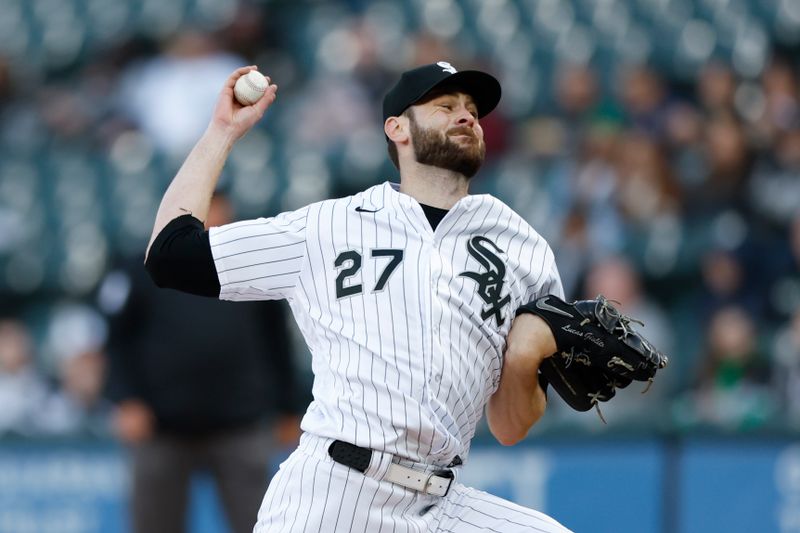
point(435, 148)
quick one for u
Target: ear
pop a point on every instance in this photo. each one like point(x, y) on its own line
point(396, 129)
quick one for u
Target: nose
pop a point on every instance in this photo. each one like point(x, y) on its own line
point(465, 118)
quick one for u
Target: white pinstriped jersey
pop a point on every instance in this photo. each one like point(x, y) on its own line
point(406, 326)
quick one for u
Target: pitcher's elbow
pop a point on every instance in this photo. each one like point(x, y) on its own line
point(508, 436)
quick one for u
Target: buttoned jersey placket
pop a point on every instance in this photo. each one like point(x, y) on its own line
point(440, 283)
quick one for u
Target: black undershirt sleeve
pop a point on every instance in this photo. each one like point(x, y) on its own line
point(180, 258)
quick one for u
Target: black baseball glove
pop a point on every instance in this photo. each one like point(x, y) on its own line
point(598, 350)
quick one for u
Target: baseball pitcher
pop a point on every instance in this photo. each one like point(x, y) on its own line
point(418, 302)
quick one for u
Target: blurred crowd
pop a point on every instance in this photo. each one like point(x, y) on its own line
point(672, 189)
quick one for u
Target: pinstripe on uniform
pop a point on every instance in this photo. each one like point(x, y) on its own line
point(406, 350)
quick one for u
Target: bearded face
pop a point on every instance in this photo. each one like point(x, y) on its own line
point(458, 149)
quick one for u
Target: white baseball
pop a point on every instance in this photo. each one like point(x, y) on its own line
point(250, 88)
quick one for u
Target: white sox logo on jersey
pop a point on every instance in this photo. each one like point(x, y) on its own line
point(490, 283)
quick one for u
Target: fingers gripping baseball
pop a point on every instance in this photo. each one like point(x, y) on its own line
point(235, 117)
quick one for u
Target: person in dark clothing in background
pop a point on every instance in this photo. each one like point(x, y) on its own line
point(200, 385)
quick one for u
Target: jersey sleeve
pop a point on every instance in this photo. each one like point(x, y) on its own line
point(545, 280)
point(260, 259)
point(535, 267)
point(552, 282)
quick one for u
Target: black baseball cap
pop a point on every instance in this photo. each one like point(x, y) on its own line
point(416, 83)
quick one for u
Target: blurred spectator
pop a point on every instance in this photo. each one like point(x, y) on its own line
point(65, 111)
point(729, 161)
point(716, 89)
point(329, 107)
point(373, 74)
point(646, 188)
point(775, 186)
point(592, 227)
point(725, 283)
point(428, 48)
point(78, 407)
point(787, 369)
point(200, 386)
point(650, 204)
point(683, 144)
point(571, 250)
point(577, 90)
point(574, 151)
point(577, 98)
point(644, 98)
point(782, 287)
point(617, 279)
point(22, 389)
point(170, 95)
point(250, 31)
point(6, 85)
point(781, 107)
point(74, 340)
point(732, 390)
point(580, 102)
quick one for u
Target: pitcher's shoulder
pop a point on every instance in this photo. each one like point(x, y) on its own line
point(505, 213)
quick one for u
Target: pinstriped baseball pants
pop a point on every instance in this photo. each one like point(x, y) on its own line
point(313, 494)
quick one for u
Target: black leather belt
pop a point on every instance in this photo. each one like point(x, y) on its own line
point(436, 483)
